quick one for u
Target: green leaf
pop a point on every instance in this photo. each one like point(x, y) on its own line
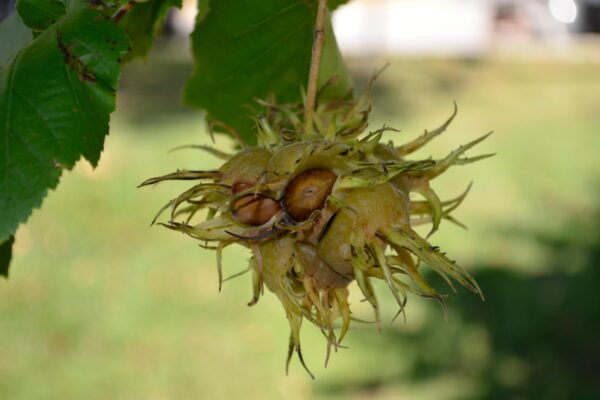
point(246, 49)
point(5, 255)
point(40, 14)
point(17, 36)
point(142, 22)
point(56, 96)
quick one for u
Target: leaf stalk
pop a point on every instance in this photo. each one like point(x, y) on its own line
point(315, 63)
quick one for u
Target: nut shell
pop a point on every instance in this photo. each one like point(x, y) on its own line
point(254, 209)
point(308, 192)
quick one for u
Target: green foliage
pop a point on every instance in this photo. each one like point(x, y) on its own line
point(40, 14)
point(244, 50)
point(142, 22)
point(56, 95)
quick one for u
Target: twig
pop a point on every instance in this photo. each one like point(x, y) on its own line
point(315, 62)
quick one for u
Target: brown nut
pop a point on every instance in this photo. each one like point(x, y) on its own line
point(308, 192)
point(252, 209)
point(240, 186)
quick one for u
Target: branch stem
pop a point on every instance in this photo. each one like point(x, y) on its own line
point(315, 62)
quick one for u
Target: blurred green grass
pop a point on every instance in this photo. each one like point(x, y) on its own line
point(101, 306)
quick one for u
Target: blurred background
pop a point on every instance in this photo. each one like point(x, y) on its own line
point(100, 306)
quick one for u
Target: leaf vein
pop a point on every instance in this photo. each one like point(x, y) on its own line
point(6, 116)
point(265, 52)
point(44, 123)
point(265, 20)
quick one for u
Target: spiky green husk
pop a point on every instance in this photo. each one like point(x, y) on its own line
point(364, 232)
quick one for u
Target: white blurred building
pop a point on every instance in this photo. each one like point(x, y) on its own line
point(366, 27)
point(452, 27)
